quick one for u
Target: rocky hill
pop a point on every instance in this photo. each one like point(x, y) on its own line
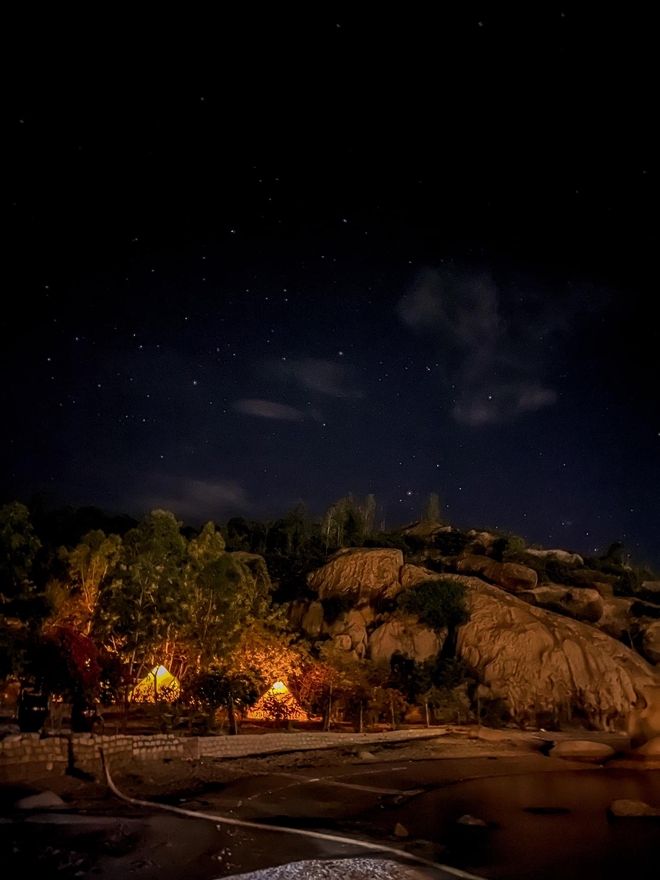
point(576, 649)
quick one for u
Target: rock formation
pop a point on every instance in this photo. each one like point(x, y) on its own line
point(579, 602)
point(406, 635)
point(538, 661)
point(359, 574)
point(560, 555)
point(541, 662)
point(651, 642)
point(509, 575)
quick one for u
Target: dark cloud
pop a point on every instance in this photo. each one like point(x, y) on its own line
point(193, 500)
point(268, 409)
point(314, 374)
point(494, 364)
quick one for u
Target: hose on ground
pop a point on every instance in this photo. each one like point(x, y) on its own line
point(300, 832)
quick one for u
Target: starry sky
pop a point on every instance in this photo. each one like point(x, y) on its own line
point(277, 258)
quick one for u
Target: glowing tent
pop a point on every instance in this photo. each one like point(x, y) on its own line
point(159, 684)
point(279, 704)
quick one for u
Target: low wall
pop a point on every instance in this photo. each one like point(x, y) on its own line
point(269, 743)
point(28, 756)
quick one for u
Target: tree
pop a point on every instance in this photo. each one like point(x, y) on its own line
point(431, 512)
point(88, 566)
point(368, 516)
point(142, 600)
point(219, 688)
point(223, 597)
point(19, 546)
point(439, 603)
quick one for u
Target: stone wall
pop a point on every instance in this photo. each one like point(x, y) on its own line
point(268, 743)
point(27, 756)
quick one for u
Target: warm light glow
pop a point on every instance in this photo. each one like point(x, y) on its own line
point(280, 692)
point(159, 681)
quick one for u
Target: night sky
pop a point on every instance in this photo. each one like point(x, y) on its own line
point(263, 259)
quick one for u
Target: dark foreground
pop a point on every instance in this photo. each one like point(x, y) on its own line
point(544, 819)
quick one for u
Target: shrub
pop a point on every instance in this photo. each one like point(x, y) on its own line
point(438, 603)
point(450, 543)
point(494, 712)
point(388, 540)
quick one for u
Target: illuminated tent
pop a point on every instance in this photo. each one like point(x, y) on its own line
point(278, 703)
point(158, 684)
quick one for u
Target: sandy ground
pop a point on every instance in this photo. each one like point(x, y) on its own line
point(332, 791)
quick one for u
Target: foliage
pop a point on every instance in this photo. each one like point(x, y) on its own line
point(438, 603)
point(221, 598)
point(216, 688)
point(73, 598)
point(431, 512)
point(450, 543)
point(427, 680)
point(219, 688)
point(266, 650)
point(494, 712)
point(395, 540)
point(143, 597)
point(19, 547)
point(507, 545)
point(65, 663)
point(348, 522)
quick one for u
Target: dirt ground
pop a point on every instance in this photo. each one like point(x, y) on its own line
point(328, 790)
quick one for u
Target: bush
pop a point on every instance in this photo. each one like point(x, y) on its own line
point(388, 540)
point(494, 712)
point(450, 543)
point(438, 603)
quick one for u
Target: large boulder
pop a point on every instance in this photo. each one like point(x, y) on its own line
point(480, 541)
point(296, 613)
point(652, 586)
point(580, 602)
point(426, 530)
point(560, 555)
point(361, 575)
point(473, 564)
point(540, 662)
point(629, 809)
point(651, 641)
point(353, 626)
point(406, 635)
point(412, 575)
point(511, 576)
point(616, 619)
point(313, 620)
point(45, 800)
point(605, 590)
point(586, 751)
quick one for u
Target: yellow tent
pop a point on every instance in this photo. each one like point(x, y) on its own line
point(278, 703)
point(157, 684)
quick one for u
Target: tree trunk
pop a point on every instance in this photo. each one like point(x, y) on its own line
point(392, 711)
point(233, 723)
point(326, 725)
point(426, 712)
point(360, 722)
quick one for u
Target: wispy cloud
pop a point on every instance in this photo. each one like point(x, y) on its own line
point(495, 365)
point(194, 500)
point(268, 409)
point(315, 374)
